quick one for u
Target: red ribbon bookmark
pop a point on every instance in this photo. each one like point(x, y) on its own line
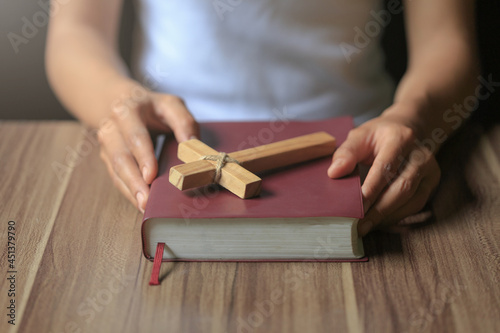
point(155, 274)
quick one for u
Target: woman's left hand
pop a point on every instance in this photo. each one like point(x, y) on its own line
point(403, 172)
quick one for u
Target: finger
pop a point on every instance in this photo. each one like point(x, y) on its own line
point(383, 171)
point(420, 217)
point(139, 201)
point(119, 184)
point(174, 112)
point(134, 132)
point(418, 201)
point(356, 148)
point(153, 121)
point(397, 194)
point(124, 165)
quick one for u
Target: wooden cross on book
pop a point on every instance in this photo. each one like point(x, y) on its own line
point(235, 171)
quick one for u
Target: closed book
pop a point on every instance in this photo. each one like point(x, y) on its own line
point(300, 214)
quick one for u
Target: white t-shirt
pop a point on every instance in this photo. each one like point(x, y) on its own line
point(265, 59)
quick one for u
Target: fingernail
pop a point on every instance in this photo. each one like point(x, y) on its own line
point(365, 227)
point(144, 172)
point(193, 137)
point(140, 201)
point(336, 164)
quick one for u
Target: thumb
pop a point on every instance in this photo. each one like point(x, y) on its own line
point(176, 116)
point(354, 150)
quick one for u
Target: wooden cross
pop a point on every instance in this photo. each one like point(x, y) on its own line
point(235, 171)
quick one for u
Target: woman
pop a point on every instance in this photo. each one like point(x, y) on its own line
point(240, 60)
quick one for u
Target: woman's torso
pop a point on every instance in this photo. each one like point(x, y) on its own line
point(265, 59)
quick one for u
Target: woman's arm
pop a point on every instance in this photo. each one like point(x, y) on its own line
point(442, 65)
point(82, 61)
point(400, 145)
point(89, 77)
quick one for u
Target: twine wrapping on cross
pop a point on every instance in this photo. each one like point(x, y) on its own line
point(221, 159)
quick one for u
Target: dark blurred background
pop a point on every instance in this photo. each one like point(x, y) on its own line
point(25, 94)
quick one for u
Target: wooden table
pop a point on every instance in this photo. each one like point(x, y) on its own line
point(79, 266)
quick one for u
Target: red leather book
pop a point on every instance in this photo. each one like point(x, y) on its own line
point(301, 214)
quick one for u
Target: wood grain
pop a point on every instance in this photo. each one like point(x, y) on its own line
point(28, 150)
point(80, 267)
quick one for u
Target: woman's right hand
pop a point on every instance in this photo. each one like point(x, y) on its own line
point(126, 146)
